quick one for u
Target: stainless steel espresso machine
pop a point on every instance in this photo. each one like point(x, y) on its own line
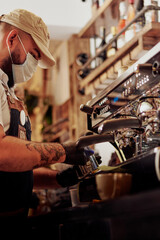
point(128, 111)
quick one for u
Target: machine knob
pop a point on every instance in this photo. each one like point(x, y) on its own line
point(86, 109)
point(143, 67)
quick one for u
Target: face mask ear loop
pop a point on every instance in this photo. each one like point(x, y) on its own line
point(9, 48)
point(22, 44)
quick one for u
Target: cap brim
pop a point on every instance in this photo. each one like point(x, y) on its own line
point(47, 59)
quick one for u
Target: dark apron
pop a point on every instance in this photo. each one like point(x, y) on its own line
point(16, 187)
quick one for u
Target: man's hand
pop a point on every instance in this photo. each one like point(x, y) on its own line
point(75, 155)
point(67, 177)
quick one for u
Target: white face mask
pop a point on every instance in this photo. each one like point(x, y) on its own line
point(23, 72)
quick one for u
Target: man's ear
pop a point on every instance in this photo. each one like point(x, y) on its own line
point(12, 38)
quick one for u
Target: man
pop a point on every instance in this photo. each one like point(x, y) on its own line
point(24, 43)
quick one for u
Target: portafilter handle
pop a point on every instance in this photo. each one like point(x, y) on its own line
point(93, 139)
point(119, 123)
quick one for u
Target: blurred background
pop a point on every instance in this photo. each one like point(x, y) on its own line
point(63, 17)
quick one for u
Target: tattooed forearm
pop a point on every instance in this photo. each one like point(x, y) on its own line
point(49, 152)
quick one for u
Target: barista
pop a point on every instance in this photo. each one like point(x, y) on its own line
point(24, 44)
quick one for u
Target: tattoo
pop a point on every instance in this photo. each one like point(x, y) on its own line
point(49, 152)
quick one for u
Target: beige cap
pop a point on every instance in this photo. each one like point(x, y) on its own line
point(34, 25)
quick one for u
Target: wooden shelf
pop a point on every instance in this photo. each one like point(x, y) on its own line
point(99, 19)
point(144, 40)
point(57, 131)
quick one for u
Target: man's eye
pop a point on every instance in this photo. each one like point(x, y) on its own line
point(34, 55)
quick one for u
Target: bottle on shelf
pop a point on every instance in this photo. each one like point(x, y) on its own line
point(102, 55)
point(151, 16)
point(131, 13)
point(101, 2)
point(148, 14)
point(154, 12)
point(121, 24)
point(113, 47)
point(82, 58)
point(95, 6)
point(82, 73)
point(140, 21)
point(93, 51)
point(158, 3)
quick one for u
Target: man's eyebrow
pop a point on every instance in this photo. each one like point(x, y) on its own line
point(39, 54)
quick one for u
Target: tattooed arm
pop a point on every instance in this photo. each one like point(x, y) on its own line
point(17, 155)
point(49, 152)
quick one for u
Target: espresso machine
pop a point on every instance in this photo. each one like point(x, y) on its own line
point(127, 113)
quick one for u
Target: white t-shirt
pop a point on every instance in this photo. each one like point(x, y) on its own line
point(4, 108)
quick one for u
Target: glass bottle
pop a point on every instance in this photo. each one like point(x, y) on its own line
point(121, 24)
point(113, 47)
point(158, 3)
point(102, 55)
point(101, 2)
point(151, 16)
point(131, 13)
point(141, 20)
point(154, 12)
point(95, 6)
